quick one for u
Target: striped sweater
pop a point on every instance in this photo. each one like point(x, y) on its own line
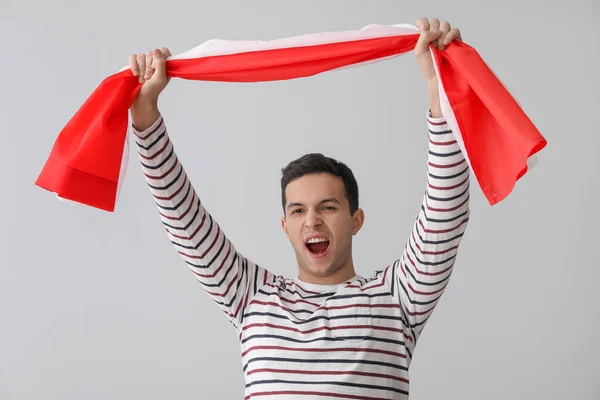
point(353, 340)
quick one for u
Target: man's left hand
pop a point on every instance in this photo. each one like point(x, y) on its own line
point(440, 35)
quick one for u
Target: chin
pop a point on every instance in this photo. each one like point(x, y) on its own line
point(320, 268)
point(320, 271)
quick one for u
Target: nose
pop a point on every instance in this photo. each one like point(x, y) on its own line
point(312, 219)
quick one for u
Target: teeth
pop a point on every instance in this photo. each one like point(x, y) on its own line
point(317, 240)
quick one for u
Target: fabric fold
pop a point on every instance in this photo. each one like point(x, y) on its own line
point(88, 160)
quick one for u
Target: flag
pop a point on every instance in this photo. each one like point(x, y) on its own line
point(87, 163)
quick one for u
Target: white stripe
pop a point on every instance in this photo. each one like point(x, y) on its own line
point(217, 47)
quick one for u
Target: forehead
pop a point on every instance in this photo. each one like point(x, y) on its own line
point(313, 188)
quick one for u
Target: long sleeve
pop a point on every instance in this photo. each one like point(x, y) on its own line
point(419, 277)
point(227, 277)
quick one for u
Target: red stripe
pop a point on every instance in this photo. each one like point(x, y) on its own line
point(179, 217)
point(226, 290)
point(321, 328)
point(306, 291)
point(425, 293)
point(163, 175)
point(436, 123)
point(174, 194)
point(152, 157)
point(160, 124)
point(214, 241)
point(432, 253)
point(447, 187)
point(311, 372)
point(193, 233)
point(442, 143)
point(446, 209)
point(203, 255)
point(426, 273)
point(447, 165)
point(419, 313)
point(412, 289)
point(218, 269)
point(271, 303)
point(464, 221)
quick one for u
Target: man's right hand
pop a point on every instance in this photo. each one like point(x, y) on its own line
point(151, 70)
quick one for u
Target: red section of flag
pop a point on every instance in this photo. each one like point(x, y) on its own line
point(85, 161)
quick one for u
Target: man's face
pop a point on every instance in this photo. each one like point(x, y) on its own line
point(320, 227)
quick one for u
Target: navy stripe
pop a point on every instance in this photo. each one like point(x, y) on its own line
point(151, 145)
point(440, 132)
point(449, 176)
point(358, 295)
point(192, 220)
point(430, 263)
point(169, 184)
point(334, 383)
point(140, 135)
point(458, 196)
point(421, 283)
point(325, 361)
point(323, 317)
point(414, 302)
point(176, 206)
point(163, 162)
point(444, 154)
point(440, 220)
point(324, 338)
point(444, 241)
point(206, 235)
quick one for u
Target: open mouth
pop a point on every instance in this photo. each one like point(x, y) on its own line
point(317, 245)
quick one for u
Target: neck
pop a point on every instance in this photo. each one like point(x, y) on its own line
point(341, 274)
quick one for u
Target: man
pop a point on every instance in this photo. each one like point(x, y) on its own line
point(328, 333)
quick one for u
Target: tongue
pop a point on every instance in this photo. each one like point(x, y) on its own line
point(318, 247)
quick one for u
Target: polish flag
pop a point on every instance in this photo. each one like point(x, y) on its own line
point(88, 161)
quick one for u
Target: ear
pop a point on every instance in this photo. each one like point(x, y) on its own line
point(358, 219)
point(284, 225)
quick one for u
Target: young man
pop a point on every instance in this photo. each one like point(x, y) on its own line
point(328, 333)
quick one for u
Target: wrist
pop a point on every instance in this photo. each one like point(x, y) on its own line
point(434, 98)
point(144, 113)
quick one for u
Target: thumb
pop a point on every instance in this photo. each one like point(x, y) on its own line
point(160, 64)
point(425, 38)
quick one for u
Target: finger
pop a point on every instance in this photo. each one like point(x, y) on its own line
point(149, 65)
point(423, 24)
point(424, 40)
point(435, 24)
point(166, 52)
point(454, 34)
point(159, 62)
point(444, 30)
point(135, 69)
point(141, 59)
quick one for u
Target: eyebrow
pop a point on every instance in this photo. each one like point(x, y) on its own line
point(329, 200)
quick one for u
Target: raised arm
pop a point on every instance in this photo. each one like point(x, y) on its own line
point(420, 276)
point(228, 278)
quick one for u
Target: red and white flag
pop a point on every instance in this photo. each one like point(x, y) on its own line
point(88, 160)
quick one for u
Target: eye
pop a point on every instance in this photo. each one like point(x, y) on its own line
point(297, 211)
point(330, 208)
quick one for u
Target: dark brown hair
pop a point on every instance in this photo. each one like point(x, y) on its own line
point(316, 163)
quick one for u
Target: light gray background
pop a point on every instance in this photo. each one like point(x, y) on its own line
point(96, 305)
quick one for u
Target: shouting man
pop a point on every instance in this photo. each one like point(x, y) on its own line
point(327, 333)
